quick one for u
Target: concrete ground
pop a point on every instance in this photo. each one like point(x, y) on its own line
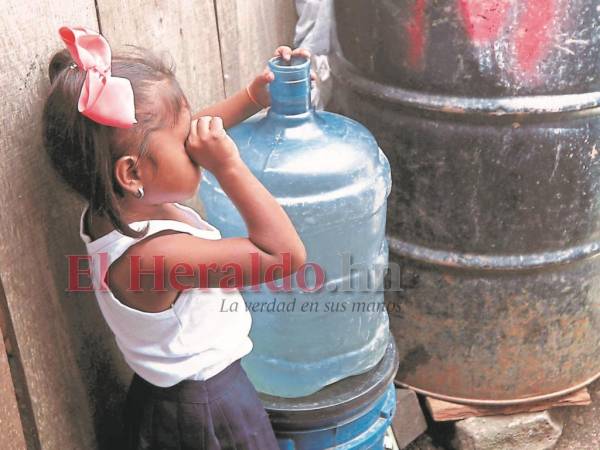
point(581, 429)
point(582, 424)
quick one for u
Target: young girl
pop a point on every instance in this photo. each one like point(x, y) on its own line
point(119, 131)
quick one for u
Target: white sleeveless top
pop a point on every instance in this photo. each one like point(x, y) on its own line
point(200, 335)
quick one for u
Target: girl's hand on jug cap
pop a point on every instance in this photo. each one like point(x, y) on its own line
point(286, 53)
point(258, 88)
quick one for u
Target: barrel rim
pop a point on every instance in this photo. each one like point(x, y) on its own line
point(474, 261)
point(507, 402)
point(460, 105)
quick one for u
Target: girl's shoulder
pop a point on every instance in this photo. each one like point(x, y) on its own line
point(174, 219)
point(100, 226)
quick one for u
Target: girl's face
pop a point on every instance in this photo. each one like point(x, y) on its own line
point(174, 176)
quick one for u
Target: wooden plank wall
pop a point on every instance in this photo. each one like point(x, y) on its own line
point(12, 432)
point(35, 215)
point(249, 32)
point(186, 29)
point(67, 372)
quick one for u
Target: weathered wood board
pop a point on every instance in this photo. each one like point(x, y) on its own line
point(11, 435)
point(186, 30)
point(249, 33)
point(444, 411)
point(36, 225)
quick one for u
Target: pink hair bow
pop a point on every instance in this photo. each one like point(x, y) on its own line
point(104, 99)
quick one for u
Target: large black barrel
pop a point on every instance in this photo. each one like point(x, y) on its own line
point(488, 112)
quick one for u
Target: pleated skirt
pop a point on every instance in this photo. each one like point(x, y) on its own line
point(221, 413)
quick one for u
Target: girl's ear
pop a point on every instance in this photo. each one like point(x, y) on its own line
point(127, 174)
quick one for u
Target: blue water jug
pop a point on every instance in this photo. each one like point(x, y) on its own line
point(333, 181)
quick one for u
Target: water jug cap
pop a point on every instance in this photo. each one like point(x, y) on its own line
point(290, 89)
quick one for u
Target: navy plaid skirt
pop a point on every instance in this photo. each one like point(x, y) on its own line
point(221, 413)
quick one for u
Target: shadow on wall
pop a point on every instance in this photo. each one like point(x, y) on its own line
point(104, 372)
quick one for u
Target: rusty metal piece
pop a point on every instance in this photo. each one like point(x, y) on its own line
point(493, 214)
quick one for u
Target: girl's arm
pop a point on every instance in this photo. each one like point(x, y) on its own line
point(248, 102)
point(272, 250)
point(232, 110)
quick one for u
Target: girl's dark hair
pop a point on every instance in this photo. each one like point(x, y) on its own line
point(82, 151)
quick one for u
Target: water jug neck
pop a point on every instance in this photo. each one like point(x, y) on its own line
point(290, 90)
